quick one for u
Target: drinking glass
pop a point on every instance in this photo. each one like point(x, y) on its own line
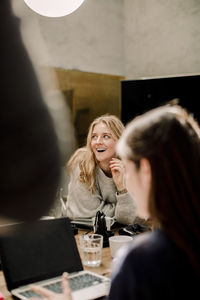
point(91, 249)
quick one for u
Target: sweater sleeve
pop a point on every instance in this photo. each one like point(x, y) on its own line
point(125, 211)
point(81, 203)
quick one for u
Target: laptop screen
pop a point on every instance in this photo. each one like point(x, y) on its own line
point(45, 250)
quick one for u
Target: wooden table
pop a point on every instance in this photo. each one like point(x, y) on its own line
point(104, 269)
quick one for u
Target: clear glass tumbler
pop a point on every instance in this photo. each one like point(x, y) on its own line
point(91, 249)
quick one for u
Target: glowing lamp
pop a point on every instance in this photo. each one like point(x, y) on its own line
point(54, 8)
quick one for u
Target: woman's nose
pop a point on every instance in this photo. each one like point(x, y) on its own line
point(99, 140)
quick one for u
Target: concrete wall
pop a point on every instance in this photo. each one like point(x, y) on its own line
point(133, 38)
point(162, 37)
point(90, 39)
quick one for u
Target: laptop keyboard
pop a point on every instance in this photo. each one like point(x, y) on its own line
point(83, 281)
point(76, 283)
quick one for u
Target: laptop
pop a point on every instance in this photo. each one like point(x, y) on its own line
point(40, 254)
point(83, 223)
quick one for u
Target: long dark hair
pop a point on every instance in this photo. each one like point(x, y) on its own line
point(169, 138)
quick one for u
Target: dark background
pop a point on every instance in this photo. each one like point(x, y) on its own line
point(141, 95)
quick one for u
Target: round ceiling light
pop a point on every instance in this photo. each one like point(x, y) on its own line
point(54, 8)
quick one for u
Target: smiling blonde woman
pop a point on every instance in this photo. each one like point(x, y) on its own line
point(97, 176)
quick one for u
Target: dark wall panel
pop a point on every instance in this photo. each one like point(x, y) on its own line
point(140, 95)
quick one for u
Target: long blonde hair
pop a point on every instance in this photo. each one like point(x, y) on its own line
point(84, 157)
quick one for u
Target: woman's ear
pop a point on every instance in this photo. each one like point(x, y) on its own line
point(145, 170)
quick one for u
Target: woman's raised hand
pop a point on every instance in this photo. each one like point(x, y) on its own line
point(48, 295)
point(118, 173)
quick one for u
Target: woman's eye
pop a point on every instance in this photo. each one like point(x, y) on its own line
point(94, 136)
point(106, 136)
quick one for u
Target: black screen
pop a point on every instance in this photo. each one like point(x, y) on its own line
point(141, 95)
point(43, 251)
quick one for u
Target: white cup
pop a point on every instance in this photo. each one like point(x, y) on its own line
point(117, 241)
point(109, 222)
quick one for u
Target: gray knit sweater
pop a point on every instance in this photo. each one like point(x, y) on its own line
point(81, 203)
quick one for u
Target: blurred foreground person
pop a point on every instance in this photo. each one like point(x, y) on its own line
point(29, 152)
point(161, 153)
